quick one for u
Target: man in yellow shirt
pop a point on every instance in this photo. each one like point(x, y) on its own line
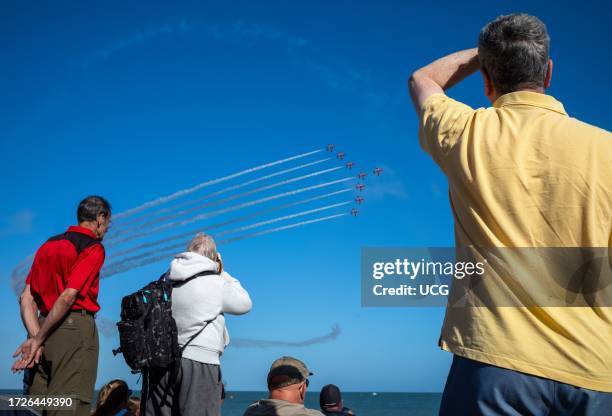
point(521, 174)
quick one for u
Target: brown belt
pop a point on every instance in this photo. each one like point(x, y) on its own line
point(79, 311)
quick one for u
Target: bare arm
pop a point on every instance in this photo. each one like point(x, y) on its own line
point(29, 349)
point(442, 74)
point(28, 310)
point(59, 310)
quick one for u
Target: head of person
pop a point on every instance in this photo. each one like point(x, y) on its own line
point(134, 405)
point(330, 398)
point(94, 213)
point(113, 397)
point(288, 380)
point(514, 55)
point(204, 245)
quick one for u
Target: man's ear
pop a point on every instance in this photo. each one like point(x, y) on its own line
point(548, 76)
point(488, 84)
point(101, 220)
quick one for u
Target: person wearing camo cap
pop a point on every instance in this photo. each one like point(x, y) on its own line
point(287, 384)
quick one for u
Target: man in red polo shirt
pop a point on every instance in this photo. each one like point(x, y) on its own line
point(58, 306)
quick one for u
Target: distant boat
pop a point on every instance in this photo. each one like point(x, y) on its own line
point(374, 394)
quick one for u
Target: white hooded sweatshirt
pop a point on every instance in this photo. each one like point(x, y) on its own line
point(201, 299)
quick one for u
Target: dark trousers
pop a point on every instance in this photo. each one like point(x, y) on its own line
point(474, 388)
point(195, 389)
point(69, 363)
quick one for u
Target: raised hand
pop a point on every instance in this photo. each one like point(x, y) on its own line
point(220, 262)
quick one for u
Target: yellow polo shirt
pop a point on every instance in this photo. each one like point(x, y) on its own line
point(524, 174)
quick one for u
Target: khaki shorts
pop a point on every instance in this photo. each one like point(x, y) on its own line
point(70, 362)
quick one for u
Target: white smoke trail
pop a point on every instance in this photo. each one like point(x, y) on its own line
point(223, 224)
point(199, 186)
point(277, 229)
point(167, 255)
point(183, 244)
point(283, 218)
point(127, 230)
point(106, 327)
point(225, 190)
point(19, 273)
point(228, 209)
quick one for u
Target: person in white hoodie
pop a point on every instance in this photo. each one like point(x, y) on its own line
point(203, 292)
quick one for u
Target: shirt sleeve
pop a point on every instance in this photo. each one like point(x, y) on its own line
point(441, 122)
point(236, 300)
point(86, 268)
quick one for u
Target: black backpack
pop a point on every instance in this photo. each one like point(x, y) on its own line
point(148, 335)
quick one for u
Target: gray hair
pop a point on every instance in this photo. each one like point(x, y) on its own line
point(513, 49)
point(204, 245)
point(91, 207)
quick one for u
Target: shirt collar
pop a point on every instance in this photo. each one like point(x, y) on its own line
point(535, 99)
point(82, 230)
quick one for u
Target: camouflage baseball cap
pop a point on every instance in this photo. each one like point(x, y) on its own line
point(286, 371)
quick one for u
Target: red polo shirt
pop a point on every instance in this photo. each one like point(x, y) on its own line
point(58, 266)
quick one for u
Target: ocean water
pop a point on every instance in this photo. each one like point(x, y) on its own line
point(362, 404)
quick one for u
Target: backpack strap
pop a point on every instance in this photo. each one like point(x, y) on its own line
point(182, 282)
point(195, 335)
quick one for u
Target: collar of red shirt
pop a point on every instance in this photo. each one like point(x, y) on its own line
point(82, 230)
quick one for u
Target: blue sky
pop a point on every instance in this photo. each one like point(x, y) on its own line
point(137, 101)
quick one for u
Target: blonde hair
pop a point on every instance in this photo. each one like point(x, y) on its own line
point(204, 245)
